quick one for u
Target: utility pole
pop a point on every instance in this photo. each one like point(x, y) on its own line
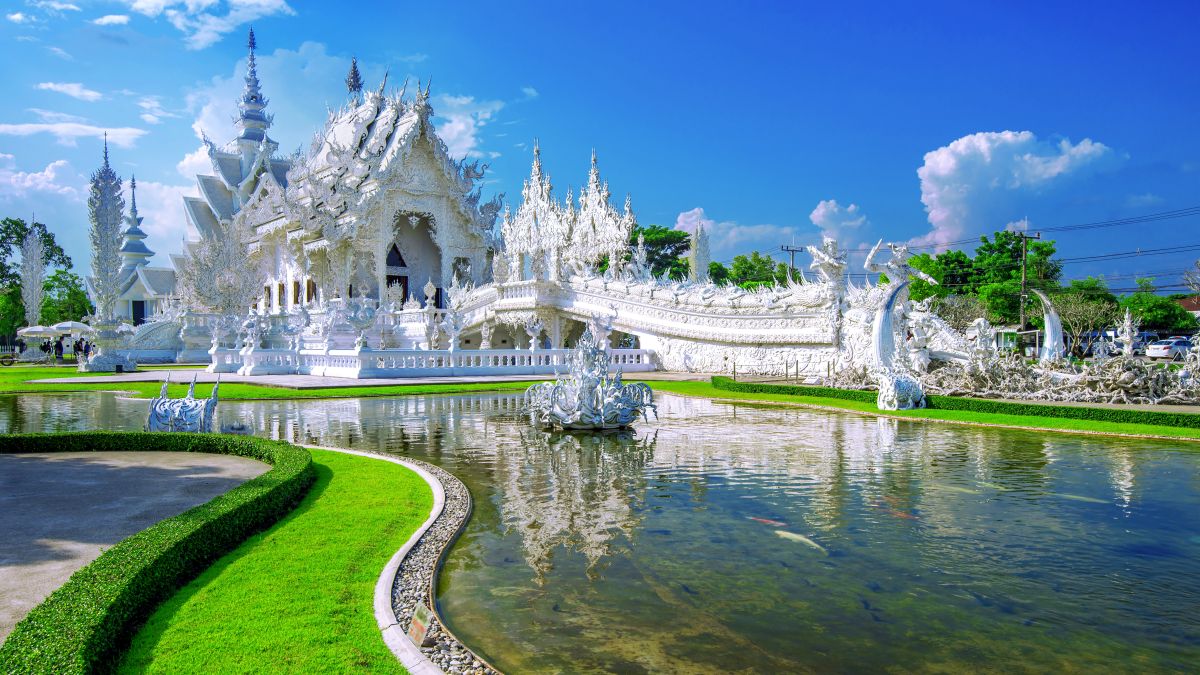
point(791, 251)
point(1024, 255)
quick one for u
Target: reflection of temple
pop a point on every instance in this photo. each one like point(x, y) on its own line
point(586, 493)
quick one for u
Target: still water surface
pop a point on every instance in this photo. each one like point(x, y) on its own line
point(737, 538)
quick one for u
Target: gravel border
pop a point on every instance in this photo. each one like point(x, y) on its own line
point(417, 578)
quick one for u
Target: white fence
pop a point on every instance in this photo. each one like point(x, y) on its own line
point(381, 363)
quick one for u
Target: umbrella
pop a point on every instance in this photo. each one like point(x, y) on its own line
point(36, 331)
point(72, 327)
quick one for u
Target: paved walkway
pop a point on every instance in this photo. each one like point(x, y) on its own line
point(320, 382)
point(59, 511)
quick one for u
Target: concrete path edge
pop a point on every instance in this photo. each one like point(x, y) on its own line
point(409, 654)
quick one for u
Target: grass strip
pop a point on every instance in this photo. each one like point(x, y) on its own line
point(15, 380)
point(298, 597)
point(1042, 423)
point(83, 626)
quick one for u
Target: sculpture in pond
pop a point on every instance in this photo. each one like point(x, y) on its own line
point(1053, 348)
point(182, 414)
point(898, 389)
point(588, 398)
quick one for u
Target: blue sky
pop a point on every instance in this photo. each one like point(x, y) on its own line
point(770, 122)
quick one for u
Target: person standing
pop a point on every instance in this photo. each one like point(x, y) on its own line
point(58, 350)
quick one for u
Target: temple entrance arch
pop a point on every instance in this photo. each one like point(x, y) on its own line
point(410, 255)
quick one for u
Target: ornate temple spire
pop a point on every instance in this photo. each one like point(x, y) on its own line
point(105, 210)
point(252, 120)
point(354, 83)
point(134, 252)
point(537, 158)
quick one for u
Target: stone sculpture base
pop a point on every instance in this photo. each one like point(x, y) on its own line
point(108, 362)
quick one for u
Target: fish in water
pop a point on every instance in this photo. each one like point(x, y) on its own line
point(767, 521)
point(1080, 498)
point(958, 488)
point(994, 486)
point(902, 514)
point(792, 536)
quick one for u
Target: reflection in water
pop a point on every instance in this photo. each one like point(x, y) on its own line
point(683, 548)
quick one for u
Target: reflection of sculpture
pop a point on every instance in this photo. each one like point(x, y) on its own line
point(183, 414)
point(588, 398)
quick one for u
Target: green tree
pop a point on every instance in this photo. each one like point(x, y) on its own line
point(12, 233)
point(1094, 288)
point(718, 272)
point(666, 250)
point(66, 299)
point(1156, 311)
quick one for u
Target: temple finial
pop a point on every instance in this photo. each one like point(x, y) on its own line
point(252, 120)
point(106, 148)
point(354, 83)
point(250, 43)
point(383, 84)
point(133, 196)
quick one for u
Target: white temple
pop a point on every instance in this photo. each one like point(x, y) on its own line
point(374, 254)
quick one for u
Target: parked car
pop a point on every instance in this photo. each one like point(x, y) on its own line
point(1174, 349)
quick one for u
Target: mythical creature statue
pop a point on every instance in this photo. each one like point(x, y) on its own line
point(898, 389)
point(588, 398)
point(896, 268)
point(183, 414)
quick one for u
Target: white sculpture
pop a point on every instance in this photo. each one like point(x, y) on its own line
point(588, 398)
point(33, 275)
point(184, 414)
point(1053, 347)
point(897, 389)
point(105, 210)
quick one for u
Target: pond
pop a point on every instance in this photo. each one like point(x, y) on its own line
point(735, 537)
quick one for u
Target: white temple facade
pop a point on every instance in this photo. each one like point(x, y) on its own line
point(377, 255)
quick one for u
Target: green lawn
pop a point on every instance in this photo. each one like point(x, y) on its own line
point(298, 597)
point(15, 380)
point(706, 390)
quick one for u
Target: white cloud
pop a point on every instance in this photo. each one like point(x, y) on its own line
point(1143, 200)
point(978, 181)
point(728, 238)
point(68, 133)
point(461, 119)
point(112, 20)
point(58, 178)
point(205, 22)
point(60, 53)
point(55, 116)
point(1021, 225)
point(53, 6)
point(529, 92)
point(837, 221)
point(152, 110)
point(19, 17)
point(72, 89)
point(288, 79)
point(161, 207)
point(194, 164)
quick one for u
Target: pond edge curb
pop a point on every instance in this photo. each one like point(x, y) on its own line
point(391, 625)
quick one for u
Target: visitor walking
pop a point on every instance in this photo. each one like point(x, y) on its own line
point(58, 350)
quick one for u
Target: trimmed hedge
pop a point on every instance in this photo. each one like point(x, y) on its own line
point(87, 623)
point(981, 405)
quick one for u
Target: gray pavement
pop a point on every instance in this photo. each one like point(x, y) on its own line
point(321, 382)
point(59, 511)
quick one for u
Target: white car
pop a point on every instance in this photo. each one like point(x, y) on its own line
point(1175, 349)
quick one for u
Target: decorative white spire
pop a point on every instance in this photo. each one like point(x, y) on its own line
point(33, 274)
point(134, 252)
point(252, 120)
point(105, 209)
